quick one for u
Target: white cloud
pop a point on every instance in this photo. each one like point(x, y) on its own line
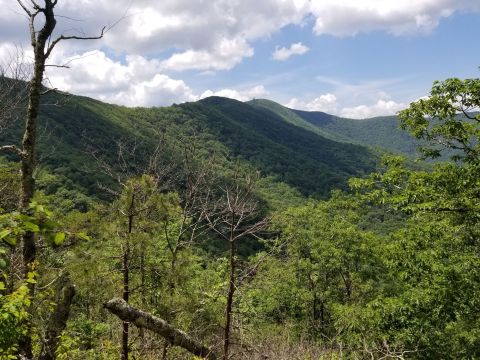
point(154, 40)
point(329, 103)
point(282, 54)
point(325, 103)
point(258, 91)
point(161, 90)
point(139, 82)
point(350, 17)
point(382, 107)
point(225, 55)
point(218, 34)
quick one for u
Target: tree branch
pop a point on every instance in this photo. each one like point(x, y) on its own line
point(159, 326)
point(11, 148)
point(63, 37)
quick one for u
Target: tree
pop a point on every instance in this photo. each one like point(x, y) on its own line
point(447, 120)
point(234, 216)
point(322, 262)
point(139, 197)
point(42, 45)
point(432, 261)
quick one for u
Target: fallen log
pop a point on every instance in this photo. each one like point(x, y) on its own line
point(159, 326)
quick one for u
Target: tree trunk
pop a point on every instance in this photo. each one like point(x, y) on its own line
point(126, 286)
point(59, 317)
point(159, 326)
point(28, 163)
point(126, 296)
point(229, 306)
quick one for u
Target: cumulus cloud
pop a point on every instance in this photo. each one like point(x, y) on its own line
point(218, 34)
point(282, 54)
point(329, 103)
point(350, 17)
point(161, 90)
point(138, 82)
point(225, 55)
point(325, 103)
point(382, 107)
point(258, 91)
point(152, 41)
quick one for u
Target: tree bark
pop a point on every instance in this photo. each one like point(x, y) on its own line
point(126, 282)
point(28, 163)
point(126, 296)
point(229, 306)
point(58, 320)
point(159, 326)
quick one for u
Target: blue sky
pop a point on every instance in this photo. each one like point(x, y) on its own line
point(354, 58)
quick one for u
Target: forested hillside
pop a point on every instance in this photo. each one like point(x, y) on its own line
point(75, 133)
point(379, 132)
point(219, 229)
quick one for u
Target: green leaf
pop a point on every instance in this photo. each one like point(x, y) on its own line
point(4, 233)
point(83, 236)
point(29, 226)
point(59, 238)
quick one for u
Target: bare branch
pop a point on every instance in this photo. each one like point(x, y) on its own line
point(73, 37)
point(24, 8)
point(11, 148)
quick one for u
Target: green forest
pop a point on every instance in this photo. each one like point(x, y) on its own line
point(221, 229)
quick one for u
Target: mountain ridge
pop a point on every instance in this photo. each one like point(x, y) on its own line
point(378, 132)
point(280, 143)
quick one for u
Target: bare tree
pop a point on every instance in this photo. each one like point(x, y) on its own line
point(198, 180)
point(235, 215)
point(43, 45)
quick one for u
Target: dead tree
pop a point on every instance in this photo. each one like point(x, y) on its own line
point(197, 182)
point(234, 216)
point(43, 45)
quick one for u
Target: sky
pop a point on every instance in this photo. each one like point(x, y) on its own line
point(352, 58)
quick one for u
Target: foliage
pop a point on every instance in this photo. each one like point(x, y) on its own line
point(447, 119)
point(13, 312)
point(389, 269)
point(379, 132)
point(76, 134)
point(433, 260)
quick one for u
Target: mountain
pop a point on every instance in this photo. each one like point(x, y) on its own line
point(295, 152)
point(379, 132)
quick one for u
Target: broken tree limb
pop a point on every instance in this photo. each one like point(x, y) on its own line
point(159, 326)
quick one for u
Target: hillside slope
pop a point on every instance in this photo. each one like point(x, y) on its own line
point(234, 131)
point(379, 132)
